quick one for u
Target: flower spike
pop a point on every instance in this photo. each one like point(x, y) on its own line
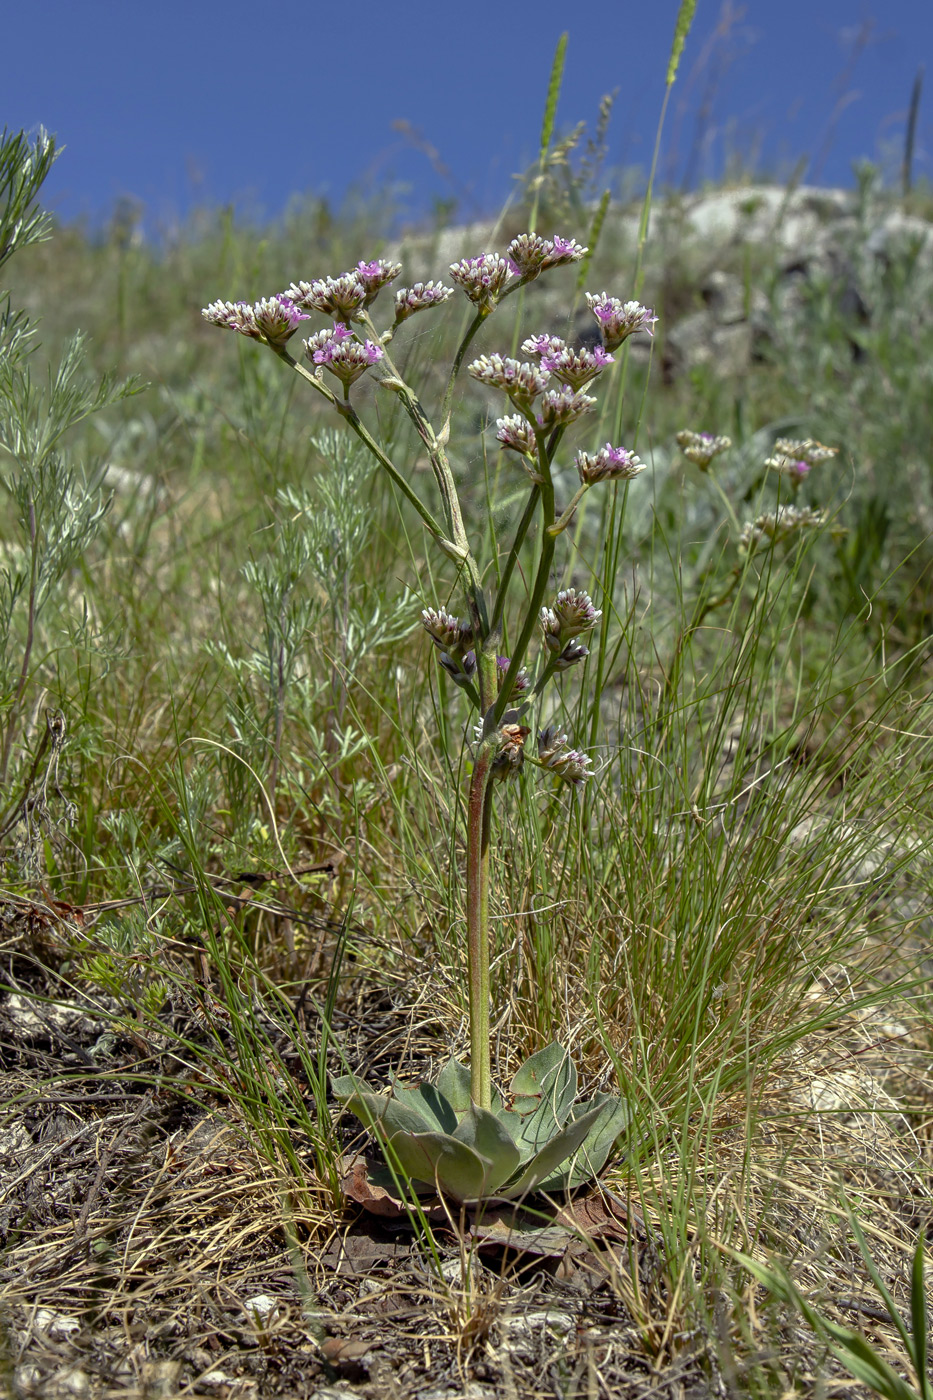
point(374, 276)
point(608, 464)
point(560, 407)
point(795, 458)
point(420, 297)
point(482, 278)
point(570, 764)
point(273, 320)
point(447, 633)
point(517, 434)
point(777, 525)
point(702, 448)
point(522, 382)
point(529, 254)
point(334, 296)
point(339, 352)
point(618, 320)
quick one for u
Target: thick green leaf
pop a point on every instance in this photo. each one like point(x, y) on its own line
point(374, 1110)
point(560, 1147)
point(436, 1159)
point(488, 1137)
point(346, 1084)
point(430, 1102)
point(612, 1119)
point(550, 1074)
point(531, 1131)
point(454, 1083)
point(440, 1160)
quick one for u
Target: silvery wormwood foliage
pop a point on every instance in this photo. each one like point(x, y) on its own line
point(56, 504)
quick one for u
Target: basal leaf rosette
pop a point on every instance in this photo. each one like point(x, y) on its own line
point(538, 1139)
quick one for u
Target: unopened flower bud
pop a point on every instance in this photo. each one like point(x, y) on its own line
point(572, 613)
point(273, 320)
point(575, 612)
point(569, 764)
point(550, 626)
point(517, 434)
point(571, 655)
point(806, 450)
point(521, 683)
point(446, 631)
point(551, 741)
point(461, 669)
point(775, 526)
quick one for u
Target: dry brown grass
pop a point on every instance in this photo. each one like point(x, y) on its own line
point(152, 1250)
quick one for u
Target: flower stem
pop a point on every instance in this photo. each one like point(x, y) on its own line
point(545, 557)
point(520, 533)
point(457, 546)
point(479, 818)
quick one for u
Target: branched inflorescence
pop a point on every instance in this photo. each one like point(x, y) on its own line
point(459, 1135)
point(547, 392)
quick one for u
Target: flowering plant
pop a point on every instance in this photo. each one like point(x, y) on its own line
point(460, 1135)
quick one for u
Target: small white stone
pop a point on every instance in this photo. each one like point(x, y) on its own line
point(56, 1325)
point(453, 1270)
point(520, 1333)
point(261, 1307)
point(76, 1382)
point(15, 1141)
point(551, 1319)
point(472, 1391)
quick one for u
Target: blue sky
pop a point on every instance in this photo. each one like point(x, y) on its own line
point(252, 101)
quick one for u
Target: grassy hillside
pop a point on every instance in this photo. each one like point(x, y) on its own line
point(233, 807)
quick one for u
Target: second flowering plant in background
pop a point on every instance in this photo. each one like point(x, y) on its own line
point(460, 1135)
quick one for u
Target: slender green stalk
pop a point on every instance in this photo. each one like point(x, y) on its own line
point(477, 902)
point(523, 527)
point(442, 472)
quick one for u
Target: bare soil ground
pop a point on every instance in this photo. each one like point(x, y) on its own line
point(148, 1250)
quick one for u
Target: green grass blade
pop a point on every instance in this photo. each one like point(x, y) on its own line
point(918, 1318)
point(878, 1281)
point(851, 1348)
